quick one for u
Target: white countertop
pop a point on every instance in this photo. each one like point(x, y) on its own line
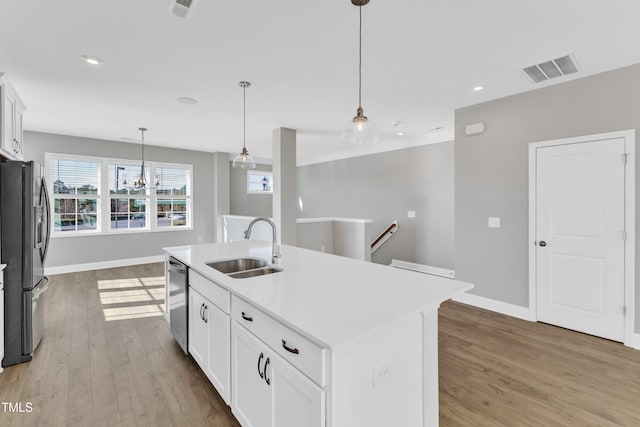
point(330, 299)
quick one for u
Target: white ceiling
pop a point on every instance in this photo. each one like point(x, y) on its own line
point(421, 60)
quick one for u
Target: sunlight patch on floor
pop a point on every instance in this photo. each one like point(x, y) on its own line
point(132, 298)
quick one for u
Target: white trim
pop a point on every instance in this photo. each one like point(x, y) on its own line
point(73, 268)
point(636, 341)
point(512, 310)
point(629, 137)
point(421, 268)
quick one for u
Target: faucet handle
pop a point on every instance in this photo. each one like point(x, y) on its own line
point(275, 257)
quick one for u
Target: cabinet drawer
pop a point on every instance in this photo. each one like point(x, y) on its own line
point(210, 290)
point(298, 350)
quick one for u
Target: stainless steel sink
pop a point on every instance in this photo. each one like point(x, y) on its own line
point(255, 272)
point(242, 268)
point(235, 265)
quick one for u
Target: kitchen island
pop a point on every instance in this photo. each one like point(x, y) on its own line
point(327, 341)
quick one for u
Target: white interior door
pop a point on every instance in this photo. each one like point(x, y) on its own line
point(580, 221)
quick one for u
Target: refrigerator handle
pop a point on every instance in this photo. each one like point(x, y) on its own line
point(47, 216)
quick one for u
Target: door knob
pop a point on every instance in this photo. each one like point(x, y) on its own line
point(542, 243)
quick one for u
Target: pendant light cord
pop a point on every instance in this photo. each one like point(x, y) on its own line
point(244, 117)
point(360, 61)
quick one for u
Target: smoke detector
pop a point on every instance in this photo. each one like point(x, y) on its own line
point(181, 8)
point(551, 69)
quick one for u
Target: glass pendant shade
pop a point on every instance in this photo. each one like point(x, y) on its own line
point(360, 130)
point(244, 160)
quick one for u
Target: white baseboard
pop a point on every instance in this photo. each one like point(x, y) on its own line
point(497, 306)
point(421, 268)
point(74, 268)
point(636, 341)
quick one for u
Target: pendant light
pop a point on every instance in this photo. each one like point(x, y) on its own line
point(244, 160)
point(140, 182)
point(360, 130)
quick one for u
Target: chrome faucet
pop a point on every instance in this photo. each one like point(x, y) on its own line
point(275, 249)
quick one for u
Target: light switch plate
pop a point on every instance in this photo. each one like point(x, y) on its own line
point(411, 214)
point(494, 222)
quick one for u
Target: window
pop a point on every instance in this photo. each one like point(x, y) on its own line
point(76, 195)
point(259, 182)
point(173, 196)
point(128, 206)
point(95, 195)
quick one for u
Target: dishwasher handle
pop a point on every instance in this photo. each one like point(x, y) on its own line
point(175, 267)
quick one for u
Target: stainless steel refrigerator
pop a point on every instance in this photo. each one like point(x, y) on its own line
point(25, 230)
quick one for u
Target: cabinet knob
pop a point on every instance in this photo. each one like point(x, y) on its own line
point(542, 243)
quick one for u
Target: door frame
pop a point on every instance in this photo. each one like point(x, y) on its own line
point(629, 137)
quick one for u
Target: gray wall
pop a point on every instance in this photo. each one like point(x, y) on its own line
point(383, 187)
point(85, 249)
point(248, 204)
point(492, 171)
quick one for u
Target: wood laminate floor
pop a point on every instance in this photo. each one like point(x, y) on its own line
point(108, 358)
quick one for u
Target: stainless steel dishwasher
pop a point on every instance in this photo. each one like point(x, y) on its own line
point(178, 275)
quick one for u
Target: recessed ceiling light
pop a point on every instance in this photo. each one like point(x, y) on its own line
point(400, 133)
point(92, 60)
point(478, 88)
point(188, 101)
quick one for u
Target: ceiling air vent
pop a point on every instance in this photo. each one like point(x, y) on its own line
point(551, 69)
point(181, 8)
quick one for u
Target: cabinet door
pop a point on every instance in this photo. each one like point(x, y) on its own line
point(251, 403)
point(198, 334)
point(296, 400)
point(17, 131)
point(218, 353)
point(8, 106)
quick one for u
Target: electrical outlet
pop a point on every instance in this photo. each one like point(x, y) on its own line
point(322, 248)
point(382, 373)
point(494, 222)
point(411, 214)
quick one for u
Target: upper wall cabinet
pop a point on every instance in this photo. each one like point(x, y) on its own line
point(11, 109)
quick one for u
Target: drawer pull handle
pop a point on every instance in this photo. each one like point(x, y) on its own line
point(289, 349)
point(247, 318)
point(266, 378)
point(265, 365)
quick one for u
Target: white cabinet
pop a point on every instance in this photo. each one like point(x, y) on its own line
point(12, 108)
point(267, 390)
point(198, 336)
point(209, 332)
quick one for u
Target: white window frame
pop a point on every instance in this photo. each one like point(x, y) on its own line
point(104, 197)
point(263, 173)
